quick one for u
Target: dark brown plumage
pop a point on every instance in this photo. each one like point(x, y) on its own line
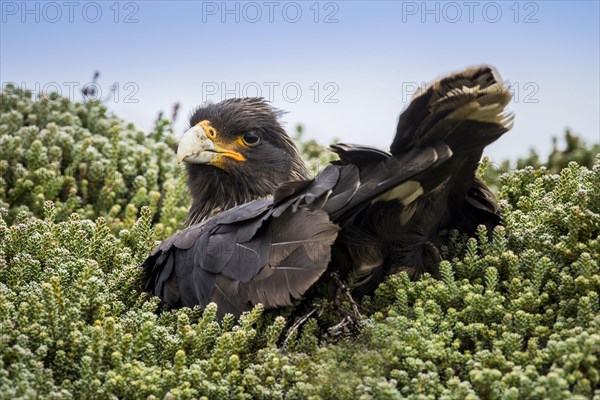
point(371, 214)
point(275, 160)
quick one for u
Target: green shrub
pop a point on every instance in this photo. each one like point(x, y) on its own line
point(515, 314)
point(575, 150)
point(86, 161)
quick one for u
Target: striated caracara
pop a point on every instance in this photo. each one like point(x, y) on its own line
point(260, 231)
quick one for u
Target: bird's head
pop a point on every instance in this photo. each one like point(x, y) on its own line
point(236, 151)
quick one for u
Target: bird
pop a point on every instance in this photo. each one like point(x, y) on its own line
point(249, 157)
point(261, 231)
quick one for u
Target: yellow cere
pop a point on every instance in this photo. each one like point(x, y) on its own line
point(220, 147)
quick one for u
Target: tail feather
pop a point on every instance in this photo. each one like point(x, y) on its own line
point(466, 112)
point(455, 106)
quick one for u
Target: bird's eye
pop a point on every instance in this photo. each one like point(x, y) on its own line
point(251, 139)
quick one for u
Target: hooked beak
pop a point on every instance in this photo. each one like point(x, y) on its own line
point(195, 147)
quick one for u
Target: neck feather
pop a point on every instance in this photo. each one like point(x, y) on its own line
point(214, 190)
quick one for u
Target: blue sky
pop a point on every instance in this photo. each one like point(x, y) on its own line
point(344, 69)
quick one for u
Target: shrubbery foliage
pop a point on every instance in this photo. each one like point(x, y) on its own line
point(514, 314)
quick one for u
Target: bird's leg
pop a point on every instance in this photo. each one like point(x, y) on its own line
point(343, 288)
point(299, 322)
point(351, 319)
point(344, 324)
point(432, 256)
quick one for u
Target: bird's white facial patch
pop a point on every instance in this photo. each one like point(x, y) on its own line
point(407, 193)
